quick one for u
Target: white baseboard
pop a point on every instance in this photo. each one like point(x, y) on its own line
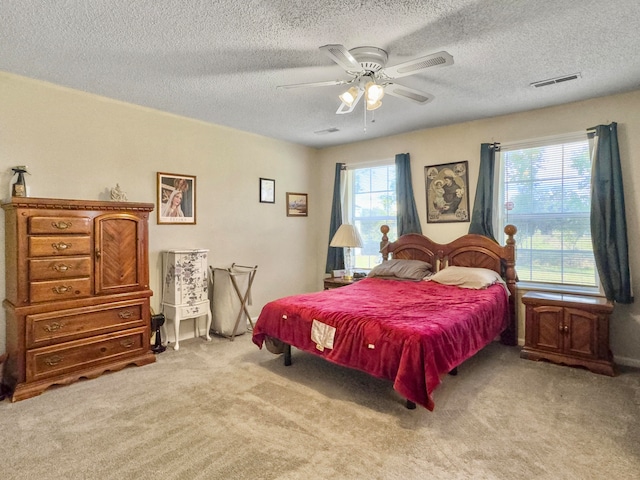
point(627, 362)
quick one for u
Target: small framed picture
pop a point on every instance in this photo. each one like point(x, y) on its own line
point(447, 192)
point(267, 190)
point(176, 199)
point(297, 204)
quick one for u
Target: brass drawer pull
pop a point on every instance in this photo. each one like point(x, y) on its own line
point(61, 225)
point(54, 360)
point(128, 342)
point(125, 314)
point(61, 245)
point(61, 289)
point(53, 327)
point(61, 267)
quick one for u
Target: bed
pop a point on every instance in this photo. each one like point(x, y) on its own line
point(398, 326)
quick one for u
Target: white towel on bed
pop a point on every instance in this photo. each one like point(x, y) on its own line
point(322, 334)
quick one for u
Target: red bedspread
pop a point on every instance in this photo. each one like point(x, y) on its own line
point(409, 332)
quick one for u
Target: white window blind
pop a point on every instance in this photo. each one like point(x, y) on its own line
point(546, 193)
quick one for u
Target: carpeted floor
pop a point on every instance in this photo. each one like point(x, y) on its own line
point(226, 410)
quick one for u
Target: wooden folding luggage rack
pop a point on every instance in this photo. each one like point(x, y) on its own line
point(244, 297)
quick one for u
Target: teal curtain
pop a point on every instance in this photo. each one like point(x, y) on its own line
point(608, 219)
point(408, 220)
point(482, 213)
point(335, 256)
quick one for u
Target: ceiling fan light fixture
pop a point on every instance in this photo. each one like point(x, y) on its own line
point(367, 66)
point(374, 106)
point(373, 93)
point(349, 96)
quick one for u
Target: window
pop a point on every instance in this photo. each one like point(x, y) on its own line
point(371, 203)
point(545, 189)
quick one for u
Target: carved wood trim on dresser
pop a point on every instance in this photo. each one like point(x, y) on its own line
point(77, 291)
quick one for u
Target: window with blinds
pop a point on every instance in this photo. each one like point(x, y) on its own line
point(546, 193)
point(372, 203)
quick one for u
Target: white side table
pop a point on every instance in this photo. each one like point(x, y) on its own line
point(185, 289)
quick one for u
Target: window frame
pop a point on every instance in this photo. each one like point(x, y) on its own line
point(499, 207)
point(349, 210)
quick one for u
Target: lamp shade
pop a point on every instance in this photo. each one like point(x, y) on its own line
point(374, 106)
point(346, 236)
point(373, 92)
point(349, 97)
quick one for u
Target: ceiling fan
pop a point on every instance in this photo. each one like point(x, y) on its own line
point(371, 78)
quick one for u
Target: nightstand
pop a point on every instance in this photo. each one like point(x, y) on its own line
point(568, 329)
point(336, 282)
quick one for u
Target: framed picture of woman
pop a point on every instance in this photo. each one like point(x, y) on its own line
point(176, 199)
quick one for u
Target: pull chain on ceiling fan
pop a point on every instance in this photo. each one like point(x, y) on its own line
point(372, 79)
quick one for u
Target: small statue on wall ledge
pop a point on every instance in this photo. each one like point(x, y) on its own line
point(117, 195)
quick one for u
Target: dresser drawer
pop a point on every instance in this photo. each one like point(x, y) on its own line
point(57, 225)
point(59, 289)
point(59, 245)
point(74, 356)
point(65, 325)
point(188, 311)
point(56, 268)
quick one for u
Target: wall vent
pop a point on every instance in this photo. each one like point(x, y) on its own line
point(553, 81)
point(326, 131)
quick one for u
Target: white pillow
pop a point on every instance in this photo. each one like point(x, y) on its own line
point(404, 269)
point(467, 277)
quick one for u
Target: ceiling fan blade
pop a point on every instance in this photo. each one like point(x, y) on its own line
point(407, 93)
point(315, 84)
point(417, 65)
point(344, 108)
point(342, 57)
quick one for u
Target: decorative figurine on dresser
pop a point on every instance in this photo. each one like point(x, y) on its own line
point(77, 291)
point(185, 290)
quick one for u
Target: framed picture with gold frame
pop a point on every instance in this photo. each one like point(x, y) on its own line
point(176, 199)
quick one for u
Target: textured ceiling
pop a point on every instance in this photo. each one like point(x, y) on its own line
point(220, 61)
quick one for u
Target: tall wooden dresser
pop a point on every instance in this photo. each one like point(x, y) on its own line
point(77, 291)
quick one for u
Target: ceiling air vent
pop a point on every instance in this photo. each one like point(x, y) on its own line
point(328, 130)
point(552, 81)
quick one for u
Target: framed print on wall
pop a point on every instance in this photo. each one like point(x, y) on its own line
point(447, 192)
point(297, 204)
point(176, 199)
point(267, 190)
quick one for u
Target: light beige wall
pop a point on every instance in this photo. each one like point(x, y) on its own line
point(79, 146)
point(462, 142)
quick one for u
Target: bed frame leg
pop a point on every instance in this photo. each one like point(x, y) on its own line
point(411, 405)
point(287, 354)
point(454, 372)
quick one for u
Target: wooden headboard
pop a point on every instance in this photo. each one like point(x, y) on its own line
point(467, 251)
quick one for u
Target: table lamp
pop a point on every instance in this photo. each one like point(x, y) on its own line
point(347, 237)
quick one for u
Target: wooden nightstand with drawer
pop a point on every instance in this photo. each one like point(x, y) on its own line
point(337, 282)
point(568, 329)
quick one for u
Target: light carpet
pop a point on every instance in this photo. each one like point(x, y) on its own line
point(227, 410)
